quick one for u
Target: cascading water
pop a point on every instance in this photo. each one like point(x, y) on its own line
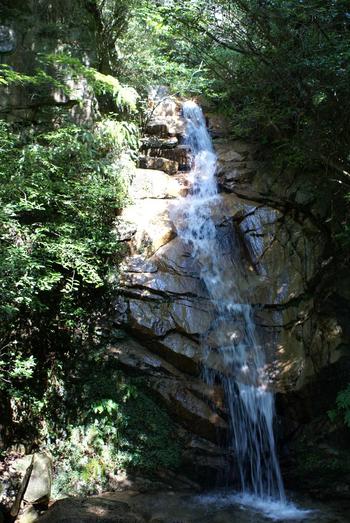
point(250, 403)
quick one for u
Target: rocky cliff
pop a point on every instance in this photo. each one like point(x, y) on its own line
point(30, 32)
point(270, 228)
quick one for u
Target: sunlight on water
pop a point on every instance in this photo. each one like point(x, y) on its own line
point(236, 338)
point(274, 510)
point(250, 403)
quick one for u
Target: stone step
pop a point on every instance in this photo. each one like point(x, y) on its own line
point(166, 126)
point(180, 154)
point(158, 163)
point(153, 142)
point(159, 128)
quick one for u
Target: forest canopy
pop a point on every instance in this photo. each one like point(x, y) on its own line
point(280, 68)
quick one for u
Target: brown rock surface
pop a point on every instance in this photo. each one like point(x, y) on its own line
point(270, 240)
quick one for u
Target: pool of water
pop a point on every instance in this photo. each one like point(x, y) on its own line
point(268, 508)
point(221, 507)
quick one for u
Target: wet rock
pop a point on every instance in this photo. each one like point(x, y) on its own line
point(177, 507)
point(191, 318)
point(179, 154)
point(165, 283)
point(158, 128)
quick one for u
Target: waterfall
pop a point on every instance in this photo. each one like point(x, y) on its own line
point(250, 402)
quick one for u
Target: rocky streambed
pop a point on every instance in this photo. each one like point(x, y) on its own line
point(173, 507)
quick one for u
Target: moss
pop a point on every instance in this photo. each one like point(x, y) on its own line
point(320, 466)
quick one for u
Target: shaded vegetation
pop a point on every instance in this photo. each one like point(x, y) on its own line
point(100, 422)
point(342, 410)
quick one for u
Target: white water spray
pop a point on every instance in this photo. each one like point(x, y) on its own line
point(250, 403)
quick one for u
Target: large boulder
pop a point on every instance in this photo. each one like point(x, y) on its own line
point(40, 481)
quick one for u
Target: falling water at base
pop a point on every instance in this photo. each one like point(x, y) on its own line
point(250, 403)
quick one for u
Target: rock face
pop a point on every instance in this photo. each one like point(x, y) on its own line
point(269, 228)
point(34, 27)
point(7, 39)
point(163, 306)
point(161, 146)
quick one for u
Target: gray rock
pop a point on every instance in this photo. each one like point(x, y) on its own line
point(30, 515)
point(40, 481)
point(124, 230)
point(7, 39)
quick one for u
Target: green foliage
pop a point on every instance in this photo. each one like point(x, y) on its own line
point(342, 409)
point(58, 195)
point(9, 76)
point(114, 19)
point(317, 464)
point(281, 70)
point(67, 67)
point(60, 191)
point(150, 54)
point(62, 184)
point(100, 423)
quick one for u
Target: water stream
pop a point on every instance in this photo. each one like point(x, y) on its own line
point(249, 400)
